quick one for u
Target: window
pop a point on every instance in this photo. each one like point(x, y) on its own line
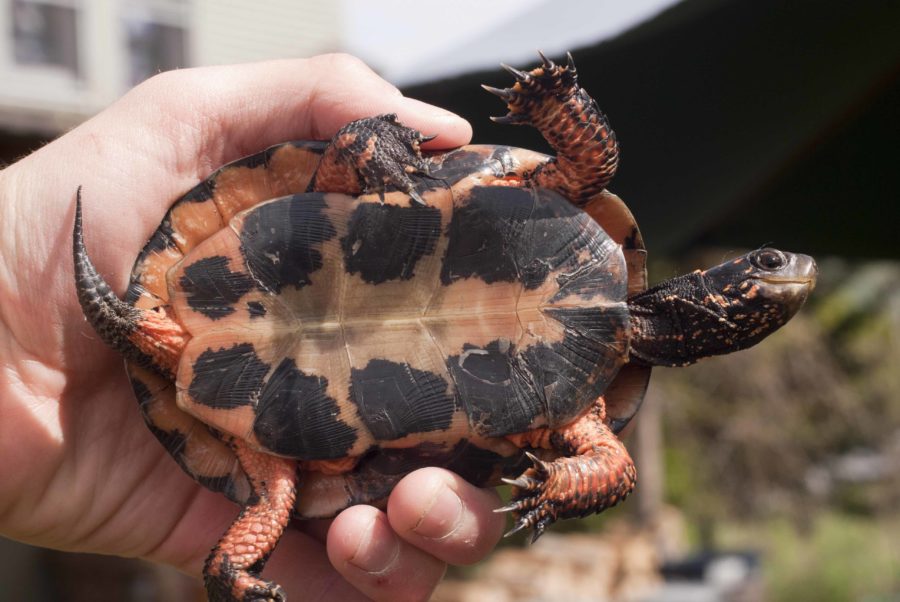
point(45, 33)
point(157, 37)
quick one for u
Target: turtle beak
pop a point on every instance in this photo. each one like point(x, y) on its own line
point(791, 285)
point(800, 269)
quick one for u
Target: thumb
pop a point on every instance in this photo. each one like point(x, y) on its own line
point(241, 109)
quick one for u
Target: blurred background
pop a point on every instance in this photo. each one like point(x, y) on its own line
point(773, 474)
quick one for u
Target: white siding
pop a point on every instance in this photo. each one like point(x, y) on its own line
point(50, 100)
point(227, 32)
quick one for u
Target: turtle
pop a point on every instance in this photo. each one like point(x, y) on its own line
point(313, 322)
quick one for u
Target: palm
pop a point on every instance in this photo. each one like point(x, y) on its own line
point(80, 470)
point(90, 447)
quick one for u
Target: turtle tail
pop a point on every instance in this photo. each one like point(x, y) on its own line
point(147, 337)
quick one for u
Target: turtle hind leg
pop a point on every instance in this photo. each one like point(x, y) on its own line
point(148, 337)
point(370, 154)
point(231, 572)
point(550, 99)
point(594, 474)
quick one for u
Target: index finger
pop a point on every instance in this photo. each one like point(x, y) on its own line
point(245, 108)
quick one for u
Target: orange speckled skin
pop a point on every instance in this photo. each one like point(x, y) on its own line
point(370, 154)
point(160, 338)
point(251, 538)
point(550, 99)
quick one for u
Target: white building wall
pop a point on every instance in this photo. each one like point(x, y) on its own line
point(49, 100)
point(227, 32)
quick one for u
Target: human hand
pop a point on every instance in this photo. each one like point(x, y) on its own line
point(80, 471)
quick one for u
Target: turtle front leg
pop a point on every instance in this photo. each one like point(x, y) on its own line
point(594, 473)
point(370, 154)
point(231, 572)
point(550, 99)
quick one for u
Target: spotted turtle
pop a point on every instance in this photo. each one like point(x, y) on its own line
point(311, 323)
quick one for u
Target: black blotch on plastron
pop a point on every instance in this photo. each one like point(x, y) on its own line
point(281, 240)
point(384, 242)
point(256, 309)
point(227, 378)
point(211, 288)
point(591, 279)
point(595, 267)
point(507, 234)
point(585, 362)
point(490, 392)
point(395, 399)
point(558, 232)
point(484, 235)
point(505, 389)
point(296, 417)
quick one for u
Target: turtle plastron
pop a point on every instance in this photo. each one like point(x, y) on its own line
point(595, 473)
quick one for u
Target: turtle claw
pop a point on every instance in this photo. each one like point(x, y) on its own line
point(508, 119)
point(504, 93)
point(539, 529)
point(523, 482)
point(525, 99)
point(520, 76)
point(507, 508)
point(414, 195)
point(547, 62)
point(534, 520)
point(518, 527)
point(539, 465)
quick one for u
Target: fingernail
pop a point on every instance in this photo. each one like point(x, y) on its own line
point(432, 111)
point(378, 549)
point(443, 516)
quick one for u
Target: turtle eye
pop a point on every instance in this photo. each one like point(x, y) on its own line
point(768, 259)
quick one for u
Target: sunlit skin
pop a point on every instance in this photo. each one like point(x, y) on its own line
point(81, 472)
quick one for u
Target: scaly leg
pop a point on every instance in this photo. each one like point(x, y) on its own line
point(231, 572)
point(595, 473)
point(550, 99)
point(369, 154)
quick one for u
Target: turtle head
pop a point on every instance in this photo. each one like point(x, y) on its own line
point(763, 287)
point(725, 308)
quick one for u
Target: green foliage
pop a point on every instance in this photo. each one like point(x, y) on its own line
point(747, 435)
point(842, 558)
point(745, 431)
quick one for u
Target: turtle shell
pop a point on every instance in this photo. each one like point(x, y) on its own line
point(326, 326)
